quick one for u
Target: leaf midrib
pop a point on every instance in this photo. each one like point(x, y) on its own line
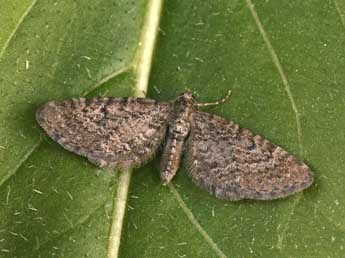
point(142, 66)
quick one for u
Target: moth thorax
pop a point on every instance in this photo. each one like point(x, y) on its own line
point(179, 128)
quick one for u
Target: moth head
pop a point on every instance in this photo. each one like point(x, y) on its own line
point(186, 97)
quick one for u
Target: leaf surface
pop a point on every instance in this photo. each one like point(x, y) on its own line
point(284, 63)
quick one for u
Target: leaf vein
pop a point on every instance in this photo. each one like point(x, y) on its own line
point(142, 66)
point(281, 72)
point(106, 79)
point(27, 11)
point(25, 157)
point(81, 221)
point(281, 237)
point(287, 87)
point(341, 15)
point(195, 223)
point(119, 210)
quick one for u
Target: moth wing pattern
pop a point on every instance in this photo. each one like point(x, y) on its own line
point(111, 132)
point(232, 163)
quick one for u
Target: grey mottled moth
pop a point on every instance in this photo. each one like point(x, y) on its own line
point(230, 162)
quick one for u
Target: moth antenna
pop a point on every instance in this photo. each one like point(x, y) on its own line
point(217, 102)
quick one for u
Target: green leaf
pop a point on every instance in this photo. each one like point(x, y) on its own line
point(283, 61)
point(54, 203)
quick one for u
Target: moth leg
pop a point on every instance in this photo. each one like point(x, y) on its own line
point(171, 159)
point(217, 102)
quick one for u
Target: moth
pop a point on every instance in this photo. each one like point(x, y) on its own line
point(228, 161)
